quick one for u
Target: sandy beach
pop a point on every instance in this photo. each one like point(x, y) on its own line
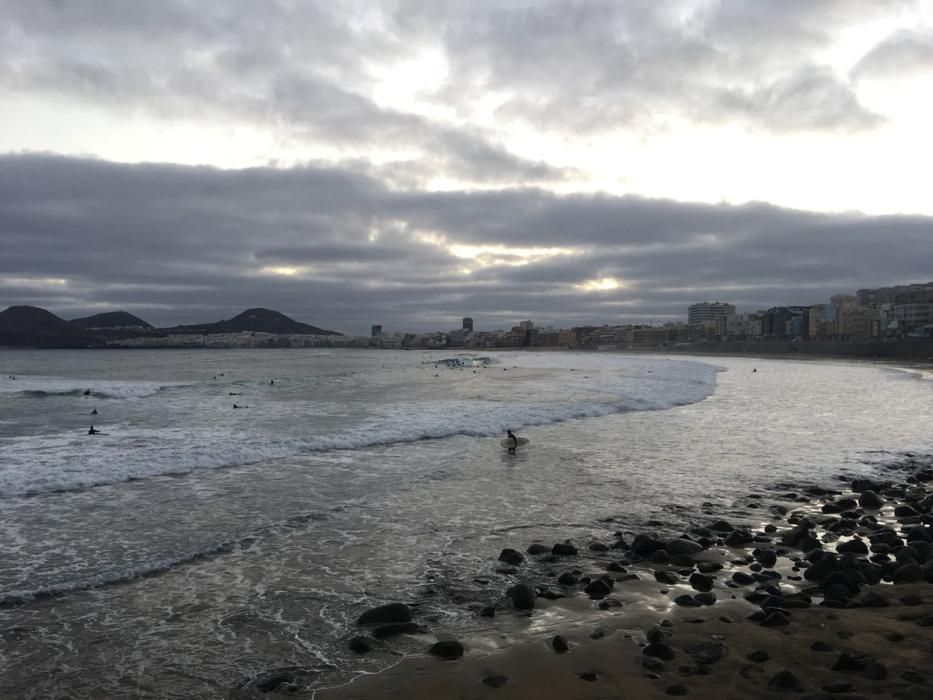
point(828, 595)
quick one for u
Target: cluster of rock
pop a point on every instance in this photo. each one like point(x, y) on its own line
point(833, 548)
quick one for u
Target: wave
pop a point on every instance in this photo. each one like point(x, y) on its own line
point(45, 387)
point(36, 465)
point(156, 566)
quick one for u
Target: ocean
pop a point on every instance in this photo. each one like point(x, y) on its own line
point(194, 545)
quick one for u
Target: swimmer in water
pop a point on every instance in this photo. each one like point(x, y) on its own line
point(87, 392)
point(92, 431)
point(94, 412)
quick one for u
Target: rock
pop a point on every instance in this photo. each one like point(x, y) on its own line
point(820, 646)
point(495, 681)
point(925, 621)
point(360, 645)
point(659, 556)
point(487, 611)
point(588, 676)
point(871, 599)
point(861, 485)
point(687, 601)
point(564, 549)
point(775, 619)
point(911, 599)
point(908, 573)
point(652, 664)
point(905, 511)
point(856, 546)
point(666, 577)
point(876, 671)
point(871, 500)
point(643, 545)
point(616, 566)
point(766, 557)
point(743, 579)
point(522, 596)
point(598, 547)
point(705, 653)
point(914, 677)
point(850, 663)
point(568, 579)
point(683, 560)
point(510, 556)
point(785, 680)
point(721, 526)
point(385, 614)
point(701, 582)
point(655, 634)
point(758, 656)
point(679, 545)
point(560, 644)
point(447, 649)
point(708, 567)
point(598, 589)
point(738, 538)
point(705, 598)
point(679, 689)
point(659, 650)
point(536, 549)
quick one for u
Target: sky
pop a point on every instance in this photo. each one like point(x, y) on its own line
point(409, 163)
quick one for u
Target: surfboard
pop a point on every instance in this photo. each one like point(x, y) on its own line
point(507, 442)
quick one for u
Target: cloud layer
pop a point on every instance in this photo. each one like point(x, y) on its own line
point(340, 249)
point(413, 162)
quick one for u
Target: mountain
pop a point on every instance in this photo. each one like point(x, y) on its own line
point(34, 327)
point(255, 321)
point(112, 320)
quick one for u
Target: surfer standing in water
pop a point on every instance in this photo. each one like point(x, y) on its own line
point(513, 441)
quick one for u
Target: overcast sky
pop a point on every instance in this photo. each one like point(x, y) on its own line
point(409, 163)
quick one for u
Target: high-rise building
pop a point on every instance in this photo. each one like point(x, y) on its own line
point(376, 330)
point(468, 324)
point(709, 311)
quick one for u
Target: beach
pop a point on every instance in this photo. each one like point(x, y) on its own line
point(197, 550)
point(766, 631)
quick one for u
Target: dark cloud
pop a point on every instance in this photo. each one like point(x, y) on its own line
point(184, 244)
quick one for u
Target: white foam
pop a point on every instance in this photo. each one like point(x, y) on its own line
point(67, 461)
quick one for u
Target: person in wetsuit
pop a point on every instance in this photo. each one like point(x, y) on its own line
point(513, 441)
point(92, 431)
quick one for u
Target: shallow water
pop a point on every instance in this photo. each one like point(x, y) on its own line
point(196, 544)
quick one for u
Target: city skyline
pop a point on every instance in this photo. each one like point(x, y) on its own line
point(407, 162)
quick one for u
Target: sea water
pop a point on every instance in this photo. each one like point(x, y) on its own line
point(194, 545)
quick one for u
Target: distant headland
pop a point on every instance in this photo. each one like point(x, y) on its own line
point(31, 326)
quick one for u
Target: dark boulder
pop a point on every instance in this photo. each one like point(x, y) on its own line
point(396, 629)
point(644, 545)
point(679, 545)
point(448, 649)
point(871, 500)
point(785, 680)
point(522, 596)
point(560, 644)
point(908, 573)
point(598, 588)
point(568, 579)
point(855, 546)
point(668, 578)
point(564, 549)
point(659, 650)
point(510, 556)
point(701, 582)
point(385, 614)
point(536, 549)
point(360, 645)
point(495, 681)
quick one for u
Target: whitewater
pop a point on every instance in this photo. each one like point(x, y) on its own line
point(247, 539)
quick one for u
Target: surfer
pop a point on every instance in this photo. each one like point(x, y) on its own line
point(94, 412)
point(87, 392)
point(92, 431)
point(512, 441)
point(271, 382)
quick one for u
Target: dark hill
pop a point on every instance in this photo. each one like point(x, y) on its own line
point(111, 319)
point(34, 327)
point(256, 321)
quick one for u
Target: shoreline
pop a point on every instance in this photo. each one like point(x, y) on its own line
point(818, 591)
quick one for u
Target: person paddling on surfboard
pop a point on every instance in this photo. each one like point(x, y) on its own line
point(93, 431)
point(513, 440)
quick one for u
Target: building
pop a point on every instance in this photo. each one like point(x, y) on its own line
point(859, 322)
point(740, 326)
point(709, 312)
point(467, 324)
point(376, 330)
